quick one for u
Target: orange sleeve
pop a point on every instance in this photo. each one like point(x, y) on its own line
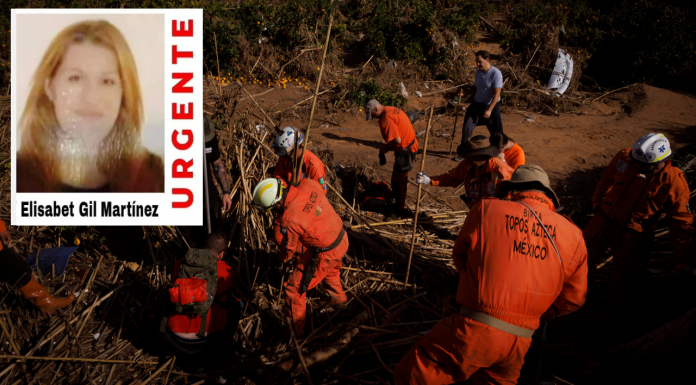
point(2, 226)
point(278, 235)
point(453, 178)
point(680, 220)
point(515, 157)
point(574, 290)
point(225, 278)
point(468, 231)
point(607, 181)
point(503, 169)
point(316, 170)
point(292, 239)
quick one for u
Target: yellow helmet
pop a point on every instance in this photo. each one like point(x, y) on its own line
point(267, 193)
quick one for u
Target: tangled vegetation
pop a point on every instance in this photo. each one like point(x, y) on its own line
point(621, 41)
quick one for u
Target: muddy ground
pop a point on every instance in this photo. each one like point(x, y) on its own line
point(572, 148)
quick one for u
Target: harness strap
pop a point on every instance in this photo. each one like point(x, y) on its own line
point(547, 234)
point(334, 244)
point(204, 323)
point(495, 323)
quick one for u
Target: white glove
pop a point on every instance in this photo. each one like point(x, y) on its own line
point(421, 178)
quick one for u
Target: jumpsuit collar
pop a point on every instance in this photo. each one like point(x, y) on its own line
point(292, 193)
point(668, 163)
point(534, 197)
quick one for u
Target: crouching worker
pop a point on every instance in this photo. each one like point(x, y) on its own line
point(637, 188)
point(510, 152)
point(313, 231)
point(517, 260)
point(205, 314)
point(16, 272)
point(480, 171)
point(312, 167)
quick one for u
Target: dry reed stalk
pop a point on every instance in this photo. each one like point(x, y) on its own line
point(297, 170)
point(418, 197)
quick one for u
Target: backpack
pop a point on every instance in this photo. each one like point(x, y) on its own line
point(377, 197)
point(194, 290)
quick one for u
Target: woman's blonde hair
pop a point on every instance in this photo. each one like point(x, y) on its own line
point(38, 122)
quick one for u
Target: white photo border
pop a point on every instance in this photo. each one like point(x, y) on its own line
point(181, 203)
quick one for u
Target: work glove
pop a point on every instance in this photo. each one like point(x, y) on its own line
point(382, 159)
point(421, 178)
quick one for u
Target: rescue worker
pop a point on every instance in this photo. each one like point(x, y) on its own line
point(182, 330)
point(512, 270)
point(313, 229)
point(397, 131)
point(480, 171)
point(638, 187)
point(16, 272)
point(510, 152)
point(312, 166)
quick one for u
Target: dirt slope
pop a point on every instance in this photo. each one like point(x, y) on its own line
point(572, 148)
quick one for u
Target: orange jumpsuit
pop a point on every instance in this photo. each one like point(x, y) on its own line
point(477, 184)
point(312, 168)
point(509, 270)
point(394, 123)
point(311, 223)
point(514, 157)
point(628, 205)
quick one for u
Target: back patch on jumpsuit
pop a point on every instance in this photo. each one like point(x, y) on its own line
point(621, 166)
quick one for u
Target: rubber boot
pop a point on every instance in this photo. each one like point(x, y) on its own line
point(36, 294)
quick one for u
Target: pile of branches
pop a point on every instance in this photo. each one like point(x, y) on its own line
point(105, 334)
point(110, 333)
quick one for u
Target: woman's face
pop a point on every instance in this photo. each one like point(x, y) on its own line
point(86, 91)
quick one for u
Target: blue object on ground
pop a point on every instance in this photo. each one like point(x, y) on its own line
point(47, 257)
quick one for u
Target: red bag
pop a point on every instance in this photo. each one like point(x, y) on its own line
point(377, 197)
point(188, 290)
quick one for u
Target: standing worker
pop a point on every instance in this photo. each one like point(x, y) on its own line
point(398, 133)
point(638, 187)
point(16, 272)
point(510, 152)
point(512, 271)
point(485, 109)
point(480, 171)
point(313, 229)
point(312, 166)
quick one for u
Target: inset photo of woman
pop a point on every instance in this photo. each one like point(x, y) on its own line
point(90, 103)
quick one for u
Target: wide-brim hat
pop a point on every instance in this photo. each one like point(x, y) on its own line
point(208, 129)
point(476, 146)
point(527, 174)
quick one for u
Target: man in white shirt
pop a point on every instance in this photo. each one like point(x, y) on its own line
point(485, 107)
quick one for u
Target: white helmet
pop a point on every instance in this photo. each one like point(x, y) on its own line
point(267, 193)
point(285, 141)
point(651, 148)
